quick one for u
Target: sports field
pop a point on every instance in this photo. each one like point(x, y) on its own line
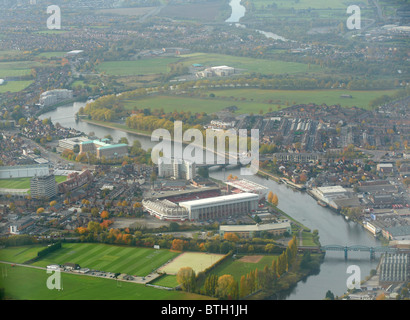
point(20, 254)
point(198, 261)
point(242, 266)
point(137, 67)
point(254, 100)
point(23, 183)
point(24, 283)
point(14, 86)
point(109, 258)
point(248, 65)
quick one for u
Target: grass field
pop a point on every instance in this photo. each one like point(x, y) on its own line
point(20, 254)
point(18, 68)
point(302, 4)
point(52, 54)
point(137, 67)
point(238, 267)
point(109, 258)
point(198, 261)
point(14, 86)
point(359, 99)
point(250, 64)
point(169, 281)
point(23, 183)
point(253, 100)
point(23, 283)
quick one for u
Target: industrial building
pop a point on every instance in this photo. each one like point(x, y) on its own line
point(70, 143)
point(251, 231)
point(43, 187)
point(103, 149)
point(394, 268)
point(219, 71)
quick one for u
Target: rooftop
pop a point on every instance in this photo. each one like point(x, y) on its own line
point(220, 199)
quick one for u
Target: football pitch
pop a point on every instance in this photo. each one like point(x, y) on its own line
point(23, 183)
point(109, 258)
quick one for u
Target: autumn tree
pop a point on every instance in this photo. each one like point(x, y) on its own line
point(210, 285)
point(227, 287)
point(187, 279)
point(104, 214)
point(275, 200)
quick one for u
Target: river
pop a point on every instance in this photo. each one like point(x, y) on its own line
point(239, 11)
point(333, 228)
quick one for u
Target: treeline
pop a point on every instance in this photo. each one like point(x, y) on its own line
point(388, 99)
point(49, 249)
point(226, 287)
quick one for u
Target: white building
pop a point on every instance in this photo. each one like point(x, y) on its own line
point(250, 231)
point(27, 171)
point(52, 97)
point(176, 168)
point(223, 206)
point(70, 143)
point(219, 71)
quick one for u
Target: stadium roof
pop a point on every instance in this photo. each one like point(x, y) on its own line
point(219, 200)
point(246, 185)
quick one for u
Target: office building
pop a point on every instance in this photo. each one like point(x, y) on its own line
point(43, 187)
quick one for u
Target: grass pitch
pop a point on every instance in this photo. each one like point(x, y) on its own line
point(109, 258)
point(23, 183)
point(24, 283)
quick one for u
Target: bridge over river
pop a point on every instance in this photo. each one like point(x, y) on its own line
point(358, 248)
point(354, 248)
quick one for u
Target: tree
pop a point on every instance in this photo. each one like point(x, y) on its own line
point(40, 210)
point(187, 279)
point(227, 287)
point(275, 200)
point(270, 196)
point(104, 214)
point(329, 295)
point(210, 285)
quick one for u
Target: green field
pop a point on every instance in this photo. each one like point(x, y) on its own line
point(169, 281)
point(52, 54)
point(23, 183)
point(302, 4)
point(359, 99)
point(137, 67)
point(109, 258)
point(18, 68)
point(23, 283)
point(171, 103)
point(238, 268)
point(14, 86)
point(248, 65)
point(254, 100)
point(198, 261)
point(20, 254)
